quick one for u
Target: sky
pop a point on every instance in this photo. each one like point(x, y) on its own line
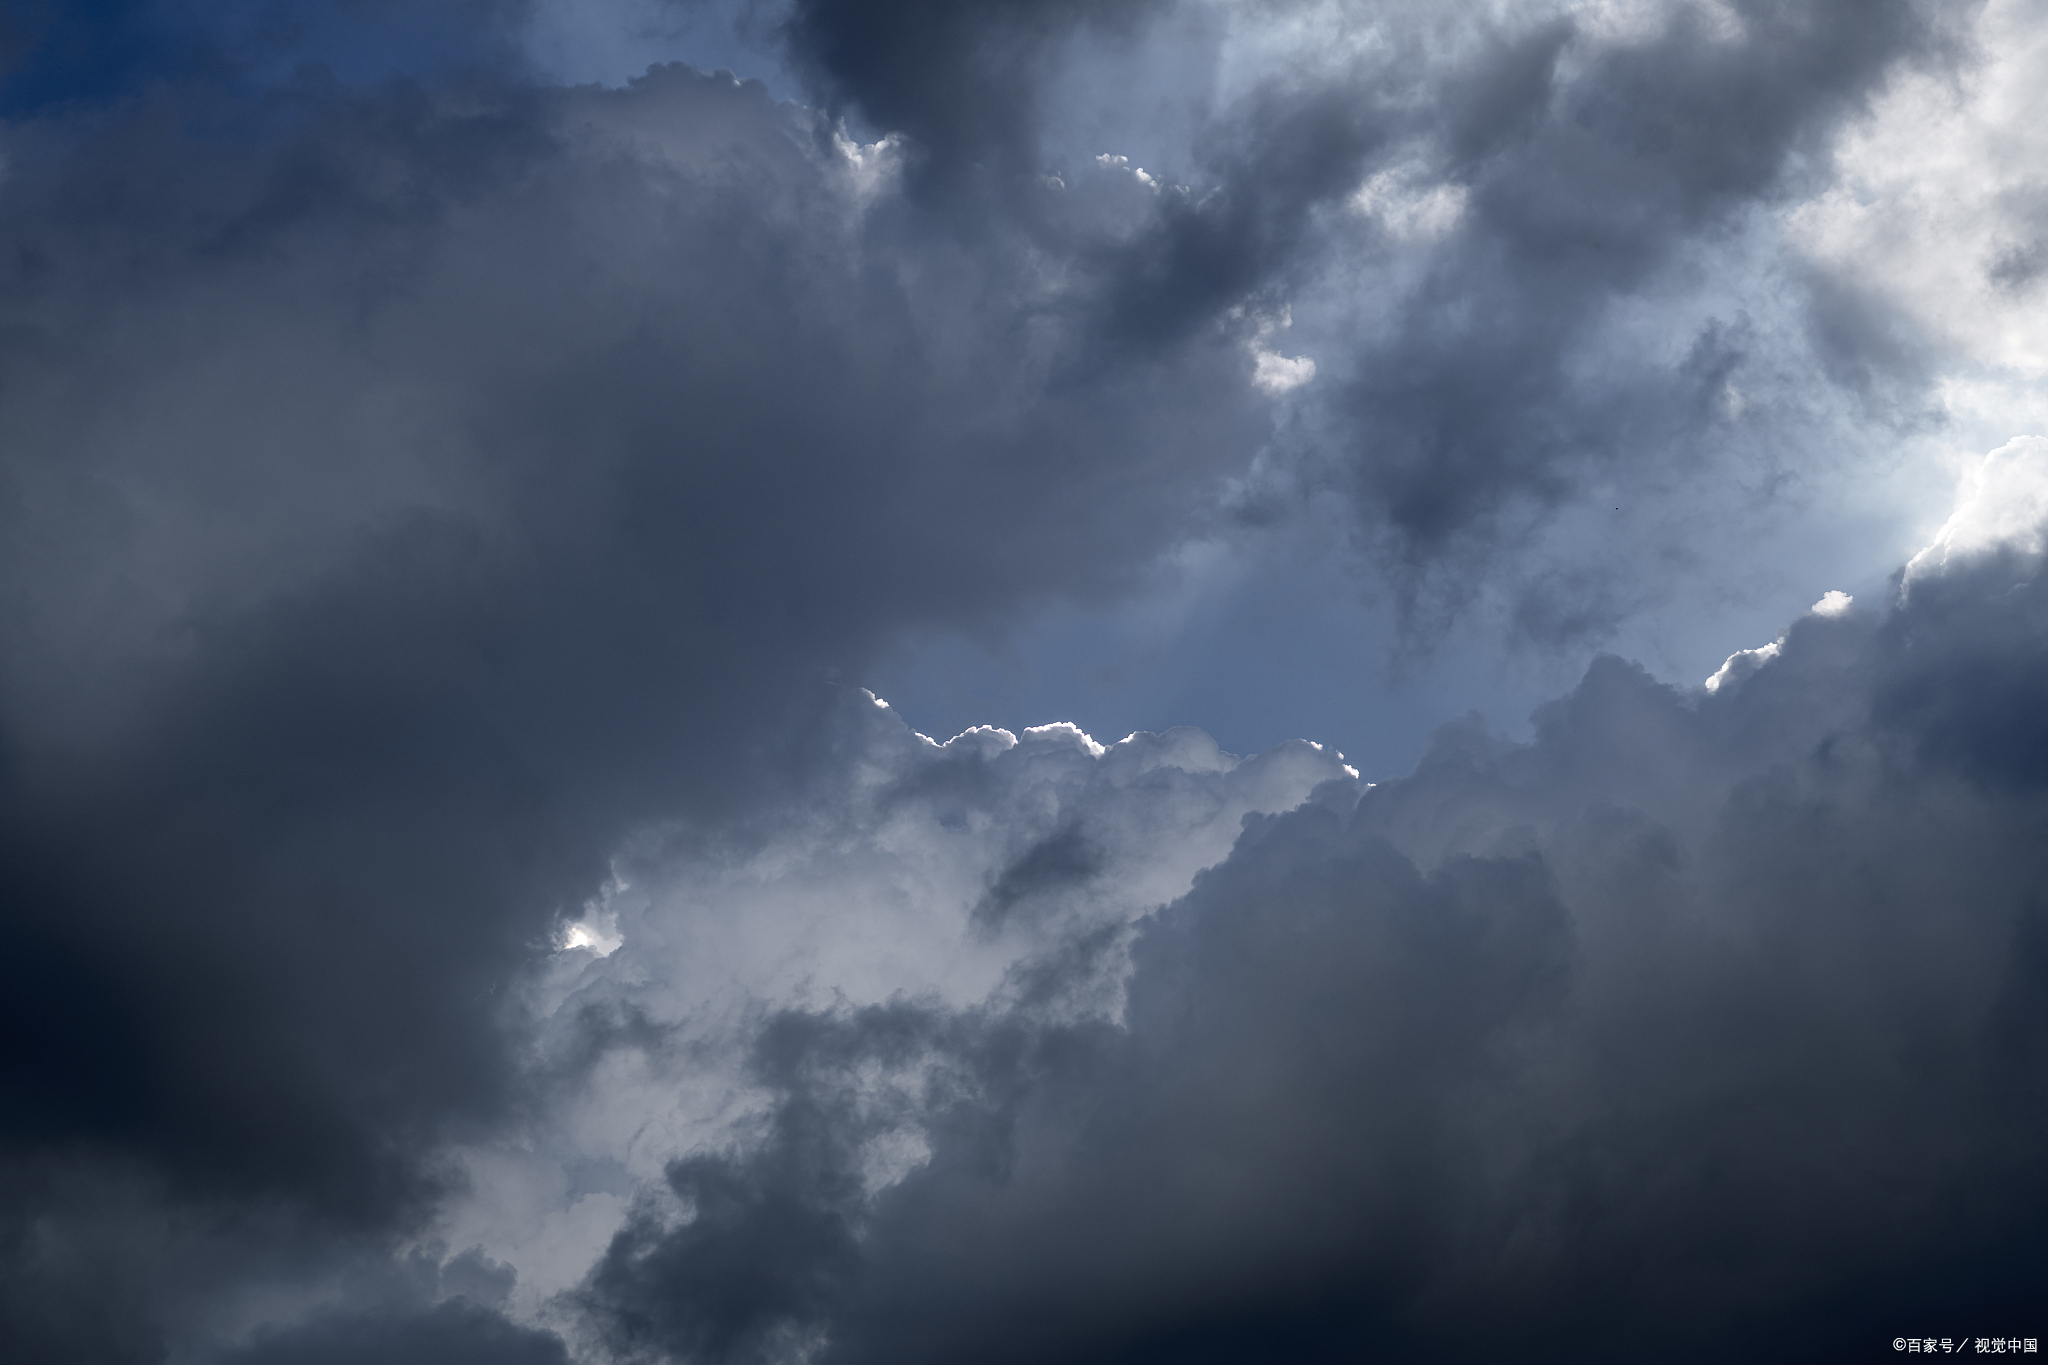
point(807, 682)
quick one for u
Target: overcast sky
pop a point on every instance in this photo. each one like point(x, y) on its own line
point(1111, 681)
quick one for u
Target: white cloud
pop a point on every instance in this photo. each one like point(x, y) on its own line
point(1273, 373)
point(872, 167)
point(1110, 161)
point(2002, 503)
point(1064, 733)
point(1409, 208)
point(1936, 210)
point(1276, 374)
point(1833, 603)
point(1742, 663)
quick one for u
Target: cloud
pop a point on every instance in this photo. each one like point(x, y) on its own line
point(449, 1334)
point(1276, 374)
point(417, 490)
point(446, 1313)
point(1564, 175)
point(963, 82)
point(2003, 508)
point(1566, 269)
point(1722, 1008)
point(1541, 261)
point(911, 875)
point(1950, 157)
point(434, 503)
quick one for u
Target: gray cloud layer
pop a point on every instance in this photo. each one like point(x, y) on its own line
point(404, 505)
point(1705, 1021)
point(414, 492)
point(531, 459)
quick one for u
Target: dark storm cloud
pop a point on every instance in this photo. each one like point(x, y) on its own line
point(1055, 863)
point(401, 1321)
point(962, 81)
point(1704, 1022)
point(772, 1243)
point(407, 494)
point(411, 489)
point(1963, 676)
point(451, 1333)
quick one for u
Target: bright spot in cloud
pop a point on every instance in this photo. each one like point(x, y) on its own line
point(1275, 373)
point(1065, 731)
point(2004, 502)
point(592, 937)
point(1833, 603)
point(1408, 211)
point(1742, 663)
point(598, 931)
point(1110, 161)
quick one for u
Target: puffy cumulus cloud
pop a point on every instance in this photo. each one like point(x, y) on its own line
point(2003, 506)
point(1704, 1020)
point(994, 871)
